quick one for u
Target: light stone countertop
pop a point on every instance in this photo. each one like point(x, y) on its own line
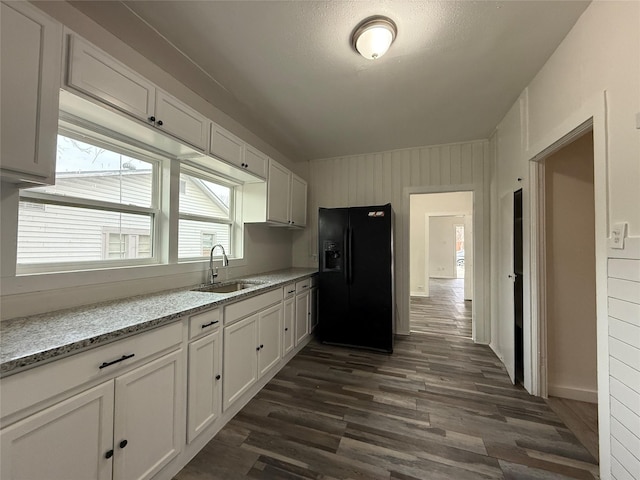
point(27, 341)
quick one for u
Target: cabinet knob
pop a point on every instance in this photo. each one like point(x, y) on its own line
point(109, 454)
point(152, 118)
point(286, 329)
point(160, 122)
point(218, 377)
point(261, 346)
point(246, 165)
point(123, 443)
point(257, 349)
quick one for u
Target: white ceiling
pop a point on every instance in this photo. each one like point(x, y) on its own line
point(451, 75)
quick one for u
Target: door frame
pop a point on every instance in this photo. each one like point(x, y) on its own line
point(480, 314)
point(592, 116)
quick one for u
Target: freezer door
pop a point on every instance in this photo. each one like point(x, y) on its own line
point(369, 265)
point(333, 308)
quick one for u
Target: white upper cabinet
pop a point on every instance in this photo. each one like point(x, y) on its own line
point(180, 120)
point(231, 149)
point(30, 56)
point(97, 74)
point(226, 146)
point(282, 201)
point(93, 72)
point(298, 206)
point(278, 193)
point(255, 161)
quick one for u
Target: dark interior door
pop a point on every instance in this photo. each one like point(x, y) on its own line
point(518, 286)
point(370, 289)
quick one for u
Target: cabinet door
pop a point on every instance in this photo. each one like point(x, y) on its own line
point(298, 201)
point(67, 441)
point(288, 341)
point(97, 74)
point(226, 146)
point(240, 359)
point(205, 387)
point(181, 121)
point(302, 316)
point(148, 418)
point(30, 62)
point(255, 161)
point(278, 193)
point(270, 334)
point(313, 300)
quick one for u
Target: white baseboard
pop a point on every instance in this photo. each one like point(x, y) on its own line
point(418, 294)
point(572, 393)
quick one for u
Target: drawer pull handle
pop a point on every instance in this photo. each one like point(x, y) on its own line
point(291, 291)
point(205, 325)
point(218, 377)
point(121, 359)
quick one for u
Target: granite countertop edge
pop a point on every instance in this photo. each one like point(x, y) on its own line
point(26, 342)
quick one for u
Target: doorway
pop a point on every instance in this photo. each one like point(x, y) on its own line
point(570, 286)
point(441, 263)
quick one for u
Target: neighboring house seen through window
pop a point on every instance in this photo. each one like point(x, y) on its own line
point(206, 213)
point(101, 209)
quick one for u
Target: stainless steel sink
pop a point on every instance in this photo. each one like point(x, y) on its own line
point(229, 287)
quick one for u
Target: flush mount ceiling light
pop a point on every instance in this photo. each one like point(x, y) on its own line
point(373, 37)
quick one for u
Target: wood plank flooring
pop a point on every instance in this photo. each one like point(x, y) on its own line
point(444, 312)
point(581, 418)
point(440, 407)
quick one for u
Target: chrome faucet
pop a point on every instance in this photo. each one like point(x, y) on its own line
point(213, 272)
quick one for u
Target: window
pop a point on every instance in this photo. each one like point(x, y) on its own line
point(206, 213)
point(102, 209)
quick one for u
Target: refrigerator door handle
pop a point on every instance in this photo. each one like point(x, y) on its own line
point(349, 256)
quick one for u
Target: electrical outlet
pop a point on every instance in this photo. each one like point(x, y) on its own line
point(618, 232)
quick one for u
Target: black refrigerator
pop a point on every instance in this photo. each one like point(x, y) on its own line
point(356, 282)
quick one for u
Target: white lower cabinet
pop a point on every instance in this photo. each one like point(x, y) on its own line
point(126, 428)
point(288, 334)
point(302, 316)
point(67, 441)
point(205, 383)
point(252, 346)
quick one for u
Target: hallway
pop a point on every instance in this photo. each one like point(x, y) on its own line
point(440, 407)
point(444, 312)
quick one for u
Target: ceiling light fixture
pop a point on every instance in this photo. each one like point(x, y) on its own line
point(373, 37)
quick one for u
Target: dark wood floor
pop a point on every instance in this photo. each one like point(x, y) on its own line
point(440, 407)
point(581, 418)
point(444, 311)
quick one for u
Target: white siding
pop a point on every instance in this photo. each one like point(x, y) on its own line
point(624, 359)
point(379, 178)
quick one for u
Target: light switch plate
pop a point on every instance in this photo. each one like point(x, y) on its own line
point(618, 232)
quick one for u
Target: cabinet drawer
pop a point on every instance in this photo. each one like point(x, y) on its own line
point(205, 322)
point(241, 309)
point(26, 389)
point(303, 285)
point(289, 290)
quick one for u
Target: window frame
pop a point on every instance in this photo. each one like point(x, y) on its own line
point(231, 221)
point(115, 143)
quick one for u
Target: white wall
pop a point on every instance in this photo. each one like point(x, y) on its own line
point(421, 206)
point(442, 246)
point(594, 73)
point(571, 272)
point(378, 178)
